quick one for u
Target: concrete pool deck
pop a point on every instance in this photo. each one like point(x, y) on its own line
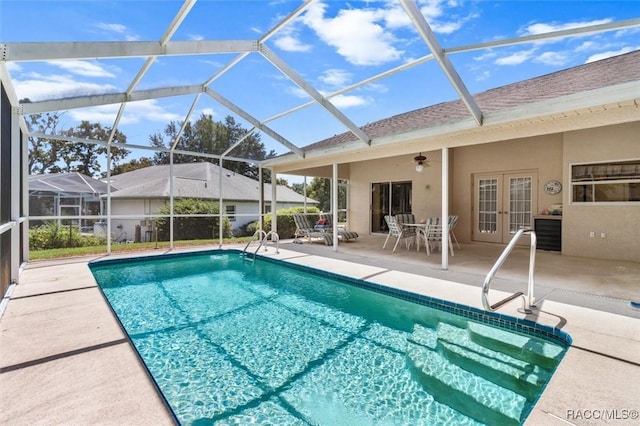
point(65, 360)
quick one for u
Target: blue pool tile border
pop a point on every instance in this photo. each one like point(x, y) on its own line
point(521, 325)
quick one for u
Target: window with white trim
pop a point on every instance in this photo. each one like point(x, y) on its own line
point(611, 182)
point(231, 212)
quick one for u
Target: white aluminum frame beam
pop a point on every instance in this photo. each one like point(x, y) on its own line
point(432, 42)
point(311, 91)
point(108, 99)
point(256, 123)
point(573, 32)
point(43, 51)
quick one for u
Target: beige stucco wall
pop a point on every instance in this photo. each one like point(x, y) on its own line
point(619, 222)
point(425, 201)
point(549, 156)
point(542, 155)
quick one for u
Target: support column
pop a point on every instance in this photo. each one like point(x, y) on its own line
point(334, 206)
point(445, 208)
point(274, 201)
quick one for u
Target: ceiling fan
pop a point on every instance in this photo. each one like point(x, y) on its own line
point(421, 161)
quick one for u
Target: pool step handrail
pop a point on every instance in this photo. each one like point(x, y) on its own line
point(264, 239)
point(527, 301)
point(259, 233)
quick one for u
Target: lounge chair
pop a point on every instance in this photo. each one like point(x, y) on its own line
point(343, 233)
point(305, 230)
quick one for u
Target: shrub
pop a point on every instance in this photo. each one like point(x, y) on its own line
point(193, 228)
point(51, 235)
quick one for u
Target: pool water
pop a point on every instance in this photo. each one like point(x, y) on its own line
point(229, 341)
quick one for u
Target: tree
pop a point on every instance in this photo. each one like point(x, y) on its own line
point(43, 152)
point(85, 157)
point(212, 137)
point(320, 190)
point(135, 164)
point(58, 156)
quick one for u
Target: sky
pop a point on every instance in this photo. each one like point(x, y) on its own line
point(331, 45)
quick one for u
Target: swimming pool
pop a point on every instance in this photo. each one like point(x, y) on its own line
point(229, 341)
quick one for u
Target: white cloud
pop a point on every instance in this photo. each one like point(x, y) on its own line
point(605, 55)
point(38, 87)
point(335, 77)
point(134, 112)
point(347, 101)
point(195, 37)
point(552, 58)
point(289, 43)
point(296, 92)
point(208, 111)
point(83, 68)
point(356, 34)
point(114, 28)
point(484, 75)
point(118, 29)
point(543, 28)
point(515, 58)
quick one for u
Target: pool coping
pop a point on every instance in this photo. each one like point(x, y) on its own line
point(599, 371)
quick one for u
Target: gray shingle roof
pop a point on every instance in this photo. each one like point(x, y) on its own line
point(595, 75)
point(196, 180)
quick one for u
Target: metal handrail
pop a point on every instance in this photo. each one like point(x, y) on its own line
point(274, 237)
point(527, 305)
point(263, 241)
point(259, 232)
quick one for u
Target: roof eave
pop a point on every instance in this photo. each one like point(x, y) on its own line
point(505, 118)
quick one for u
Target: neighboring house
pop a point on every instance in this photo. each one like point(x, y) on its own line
point(143, 192)
point(567, 141)
point(65, 194)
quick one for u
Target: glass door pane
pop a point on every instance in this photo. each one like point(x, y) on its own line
point(519, 203)
point(388, 198)
point(379, 206)
point(487, 216)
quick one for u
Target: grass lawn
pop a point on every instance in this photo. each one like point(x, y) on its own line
point(125, 248)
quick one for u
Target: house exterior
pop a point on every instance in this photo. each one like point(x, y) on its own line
point(567, 142)
point(140, 194)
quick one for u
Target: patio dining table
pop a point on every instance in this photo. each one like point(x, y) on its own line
point(422, 229)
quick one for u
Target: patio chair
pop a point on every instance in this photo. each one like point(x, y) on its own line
point(433, 238)
point(453, 220)
point(398, 232)
point(305, 230)
point(343, 233)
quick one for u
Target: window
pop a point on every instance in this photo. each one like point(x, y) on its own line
point(231, 213)
point(613, 182)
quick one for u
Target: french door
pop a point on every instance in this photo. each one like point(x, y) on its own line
point(503, 204)
point(388, 198)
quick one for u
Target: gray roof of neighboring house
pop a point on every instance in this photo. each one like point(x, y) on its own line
point(595, 75)
point(196, 180)
point(72, 183)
